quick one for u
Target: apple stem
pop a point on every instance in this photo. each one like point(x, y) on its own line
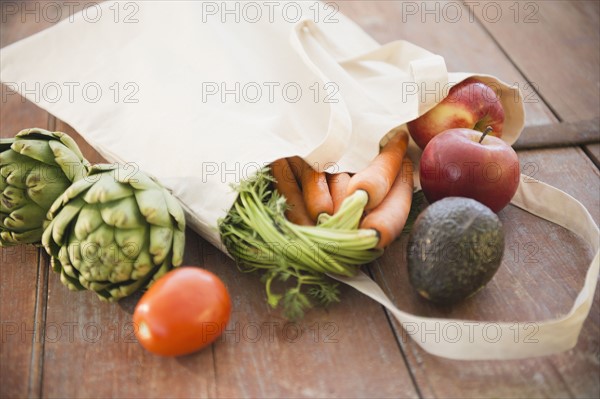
point(487, 131)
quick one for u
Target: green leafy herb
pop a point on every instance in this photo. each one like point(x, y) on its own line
point(296, 258)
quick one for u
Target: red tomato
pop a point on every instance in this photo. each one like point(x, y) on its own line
point(184, 311)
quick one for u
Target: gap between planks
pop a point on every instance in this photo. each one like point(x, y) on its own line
point(513, 63)
point(388, 317)
point(591, 155)
point(36, 363)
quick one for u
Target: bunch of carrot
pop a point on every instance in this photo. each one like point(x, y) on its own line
point(315, 197)
point(294, 224)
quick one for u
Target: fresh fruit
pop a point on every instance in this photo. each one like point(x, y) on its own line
point(466, 163)
point(114, 231)
point(470, 104)
point(455, 248)
point(36, 167)
point(184, 311)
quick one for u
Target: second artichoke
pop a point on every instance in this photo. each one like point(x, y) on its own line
point(114, 231)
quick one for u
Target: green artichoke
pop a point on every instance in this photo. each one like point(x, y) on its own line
point(114, 231)
point(36, 166)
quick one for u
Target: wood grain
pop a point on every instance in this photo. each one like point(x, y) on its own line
point(23, 276)
point(23, 269)
point(23, 18)
point(22, 282)
point(18, 308)
point(555, 45)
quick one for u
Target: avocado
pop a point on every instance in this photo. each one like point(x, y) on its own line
point(454, 250)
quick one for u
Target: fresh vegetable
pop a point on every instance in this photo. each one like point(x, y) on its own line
point(259, 237)
point(390, 216)
point(286, 184)
point(314, 188)
point(338, 186)
point(36, 167)
point(114, 231)
point(184, 311)
point(455, 248)
point(465, 163)
point(377, 179)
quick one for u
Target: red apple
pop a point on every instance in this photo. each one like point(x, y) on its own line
point(467, 163)
point(470, 104)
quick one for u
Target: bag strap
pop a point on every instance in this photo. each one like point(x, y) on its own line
point(479, 340)
point(331, 62)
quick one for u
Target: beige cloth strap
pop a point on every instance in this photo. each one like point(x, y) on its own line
point(477, 340)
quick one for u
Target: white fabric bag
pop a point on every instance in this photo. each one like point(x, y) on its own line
point(202, 99)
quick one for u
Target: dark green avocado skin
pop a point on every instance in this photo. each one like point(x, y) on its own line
point(455, 248)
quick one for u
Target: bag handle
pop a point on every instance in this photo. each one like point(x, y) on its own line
point(464, 340)
point(330, 61)
point(428, 71)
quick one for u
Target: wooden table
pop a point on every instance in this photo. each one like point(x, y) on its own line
point(56, 343)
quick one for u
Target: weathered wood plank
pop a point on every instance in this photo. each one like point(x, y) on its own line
point(563, 134)
point(22, 282)
point(18, 281)
point(347, 350)
point(555, 45)
point(23, 18)
point(22, 273)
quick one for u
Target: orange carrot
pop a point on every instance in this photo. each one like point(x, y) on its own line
point(314, 188)
point(377, 178)
point(286, 184)
point(390, 216)
point(338, 184)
